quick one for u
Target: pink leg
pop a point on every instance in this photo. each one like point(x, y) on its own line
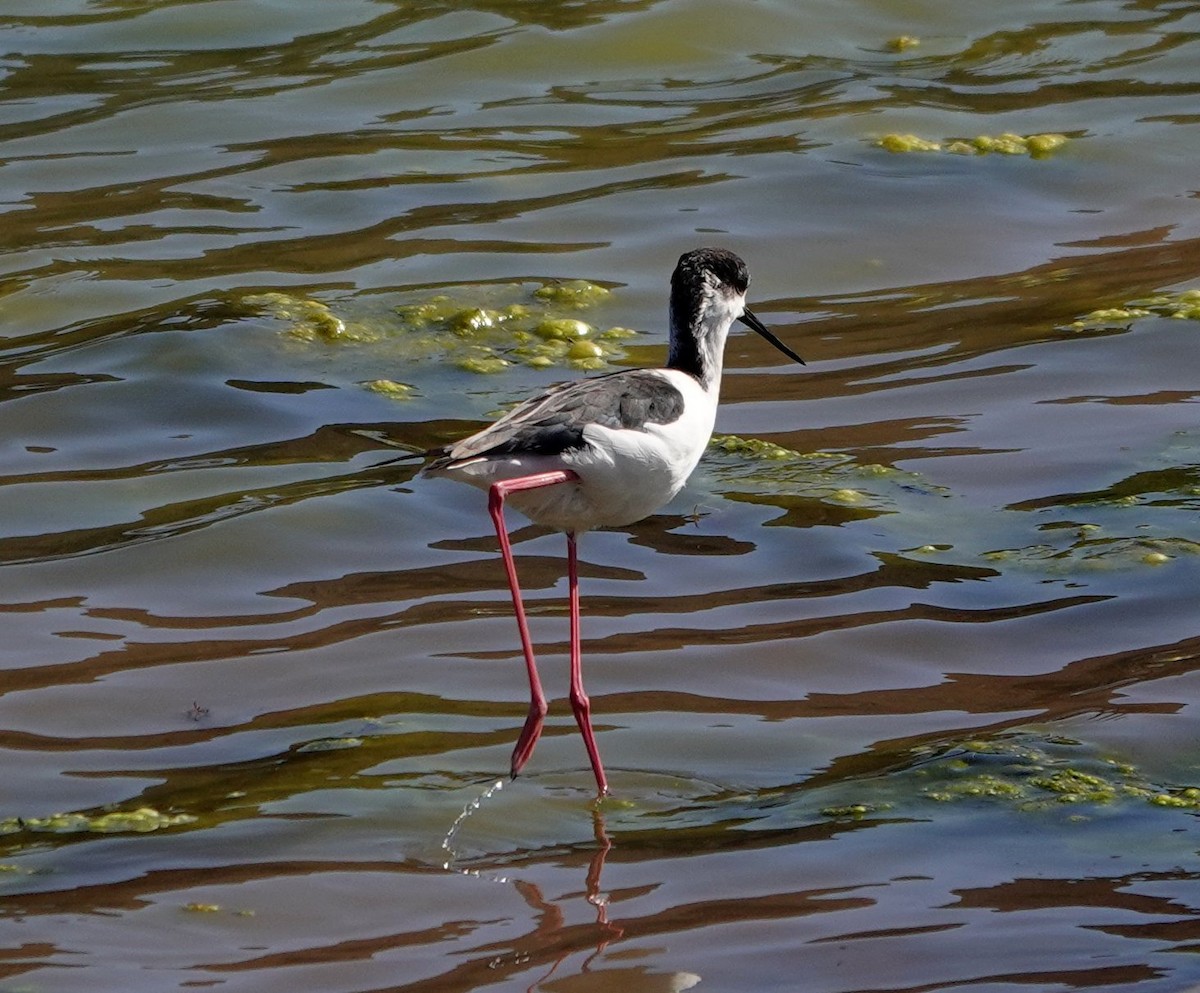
point(537, 698)
point(580, 703)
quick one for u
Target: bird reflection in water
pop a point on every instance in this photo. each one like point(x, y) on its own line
point(552, 941)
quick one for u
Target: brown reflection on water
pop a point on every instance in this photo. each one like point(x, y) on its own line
point(1118, 892)
point(944, 324)
point(662, 639)
point(133, 894)
point(545, 571)
point(1088, 686)
point(1177, 486)
point(261, 632)
point(173, 520)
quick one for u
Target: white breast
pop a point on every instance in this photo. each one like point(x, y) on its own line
point(624, 474)
point(630, 474)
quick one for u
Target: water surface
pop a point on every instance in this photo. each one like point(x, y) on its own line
point(904, 699)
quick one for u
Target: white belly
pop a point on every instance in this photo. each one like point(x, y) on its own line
point(624, 475)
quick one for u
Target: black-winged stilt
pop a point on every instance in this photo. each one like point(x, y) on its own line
point(608, 451)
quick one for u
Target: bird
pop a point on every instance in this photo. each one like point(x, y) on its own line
point(607, 451)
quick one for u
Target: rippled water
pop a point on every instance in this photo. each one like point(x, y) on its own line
point(905, 699)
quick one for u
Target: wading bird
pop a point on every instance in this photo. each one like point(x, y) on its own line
point(608, 451)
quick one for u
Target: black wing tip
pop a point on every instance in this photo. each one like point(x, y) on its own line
point(437, 459)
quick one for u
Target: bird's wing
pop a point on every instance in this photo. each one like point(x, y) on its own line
point(553, 421)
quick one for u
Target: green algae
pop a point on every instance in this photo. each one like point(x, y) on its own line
point(330, 745)
point(468, 323)
point(1187, 798)
point(484, 330)
point(1162, 485)
point(899, 143)
point(974, 787)
point(1074, 786)
point(854, 811)
point(197, 907)
point(1096, 553)
point(1038, 772)
point(483, 365)
point(390, 388)
point(309, 319)
point(753, 470)
point(578, 293)
point(1181, 306)
point(1034, 146)
point(1024, 771)
point(755, 448)
point(563, 329)
point(139, 821)
point(1146, 520)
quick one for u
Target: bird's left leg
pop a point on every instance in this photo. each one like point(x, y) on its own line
point(580, 703)
point(537, 698)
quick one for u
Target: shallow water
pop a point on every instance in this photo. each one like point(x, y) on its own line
point(904, 699)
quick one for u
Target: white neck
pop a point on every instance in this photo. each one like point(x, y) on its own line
point(698, 341)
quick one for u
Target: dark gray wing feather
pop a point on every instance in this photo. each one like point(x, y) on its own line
point(553, 422)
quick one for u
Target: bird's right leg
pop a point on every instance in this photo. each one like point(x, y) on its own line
point(537, 698)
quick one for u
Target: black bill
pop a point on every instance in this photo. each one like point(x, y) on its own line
point(755, 324)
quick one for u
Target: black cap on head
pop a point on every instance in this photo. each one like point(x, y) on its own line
point(728, 269)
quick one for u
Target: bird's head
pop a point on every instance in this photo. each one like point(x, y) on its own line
point(708, 293)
